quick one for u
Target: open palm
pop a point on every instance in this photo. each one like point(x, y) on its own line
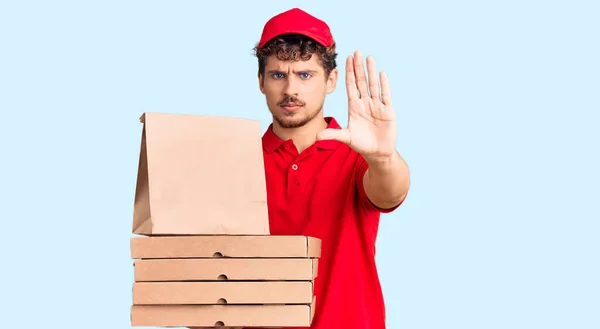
point(372, 129)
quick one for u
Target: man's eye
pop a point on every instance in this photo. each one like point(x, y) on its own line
point(277, 75)
point(305, 75)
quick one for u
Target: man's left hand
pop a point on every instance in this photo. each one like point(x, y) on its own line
point(372, 128)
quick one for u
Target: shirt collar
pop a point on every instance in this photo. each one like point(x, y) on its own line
point(271, 142)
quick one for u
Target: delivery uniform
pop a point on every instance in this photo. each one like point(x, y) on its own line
point(320, 193)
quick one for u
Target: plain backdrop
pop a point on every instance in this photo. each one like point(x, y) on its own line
point(497, 103)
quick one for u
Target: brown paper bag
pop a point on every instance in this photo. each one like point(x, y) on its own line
point(200, 175)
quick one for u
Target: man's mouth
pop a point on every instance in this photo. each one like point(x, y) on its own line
point(291, 106)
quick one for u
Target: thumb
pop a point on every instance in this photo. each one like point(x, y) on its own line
point(341, 135)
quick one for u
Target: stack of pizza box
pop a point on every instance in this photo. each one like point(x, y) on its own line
point(203, 255)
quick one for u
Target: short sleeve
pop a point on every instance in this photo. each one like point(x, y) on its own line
point(365, 203)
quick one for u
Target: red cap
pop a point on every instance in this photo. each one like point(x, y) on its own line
point(296, 21)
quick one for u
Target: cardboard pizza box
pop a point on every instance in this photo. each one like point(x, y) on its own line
point(231, 269)
point(246, 316)
point(228, 246)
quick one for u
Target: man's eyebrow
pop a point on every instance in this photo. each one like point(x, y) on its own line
point(298, 71)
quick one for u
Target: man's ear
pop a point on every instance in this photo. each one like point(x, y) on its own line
point(261, 84)
point(332, 81)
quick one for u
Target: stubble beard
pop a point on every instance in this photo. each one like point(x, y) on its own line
point(295, 120)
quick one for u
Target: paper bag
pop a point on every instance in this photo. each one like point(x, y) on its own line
point(200, 175)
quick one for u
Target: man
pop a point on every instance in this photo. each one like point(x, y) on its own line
point(325, 181)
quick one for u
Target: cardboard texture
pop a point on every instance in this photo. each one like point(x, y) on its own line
point(200, 175)
point(270, 246)
point(223, 292)
point(222, 315)
point(203, 254)
point(224, 280)
point(250, 269)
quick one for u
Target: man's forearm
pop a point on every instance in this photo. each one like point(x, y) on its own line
point(387, 181)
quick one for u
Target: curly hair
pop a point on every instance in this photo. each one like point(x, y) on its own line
point(294, 47)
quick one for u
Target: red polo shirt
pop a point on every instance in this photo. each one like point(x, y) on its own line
point(319, 193)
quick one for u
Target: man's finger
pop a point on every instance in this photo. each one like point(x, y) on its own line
point(386, 93)
point(373, 80)
point(359, 73)
point(341, 135)
point(350, 80)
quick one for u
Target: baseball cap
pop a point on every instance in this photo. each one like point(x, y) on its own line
point(296, 21)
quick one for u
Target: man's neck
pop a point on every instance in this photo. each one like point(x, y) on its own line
point(304, 136)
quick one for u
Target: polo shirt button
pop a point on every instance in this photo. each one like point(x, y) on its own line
point(286, 146)
point(295, 166)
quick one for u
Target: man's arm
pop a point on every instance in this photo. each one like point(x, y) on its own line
point(372, 131)
point(386, 181)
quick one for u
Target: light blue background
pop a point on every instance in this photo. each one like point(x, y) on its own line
point(497, 102)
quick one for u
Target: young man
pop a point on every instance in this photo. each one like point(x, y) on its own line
point(325, 181)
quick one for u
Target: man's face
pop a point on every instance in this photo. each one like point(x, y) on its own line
point(295, 91)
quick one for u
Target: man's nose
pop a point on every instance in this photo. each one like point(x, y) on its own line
point(291, 87)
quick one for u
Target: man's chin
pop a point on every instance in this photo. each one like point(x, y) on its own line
point(290, 122)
